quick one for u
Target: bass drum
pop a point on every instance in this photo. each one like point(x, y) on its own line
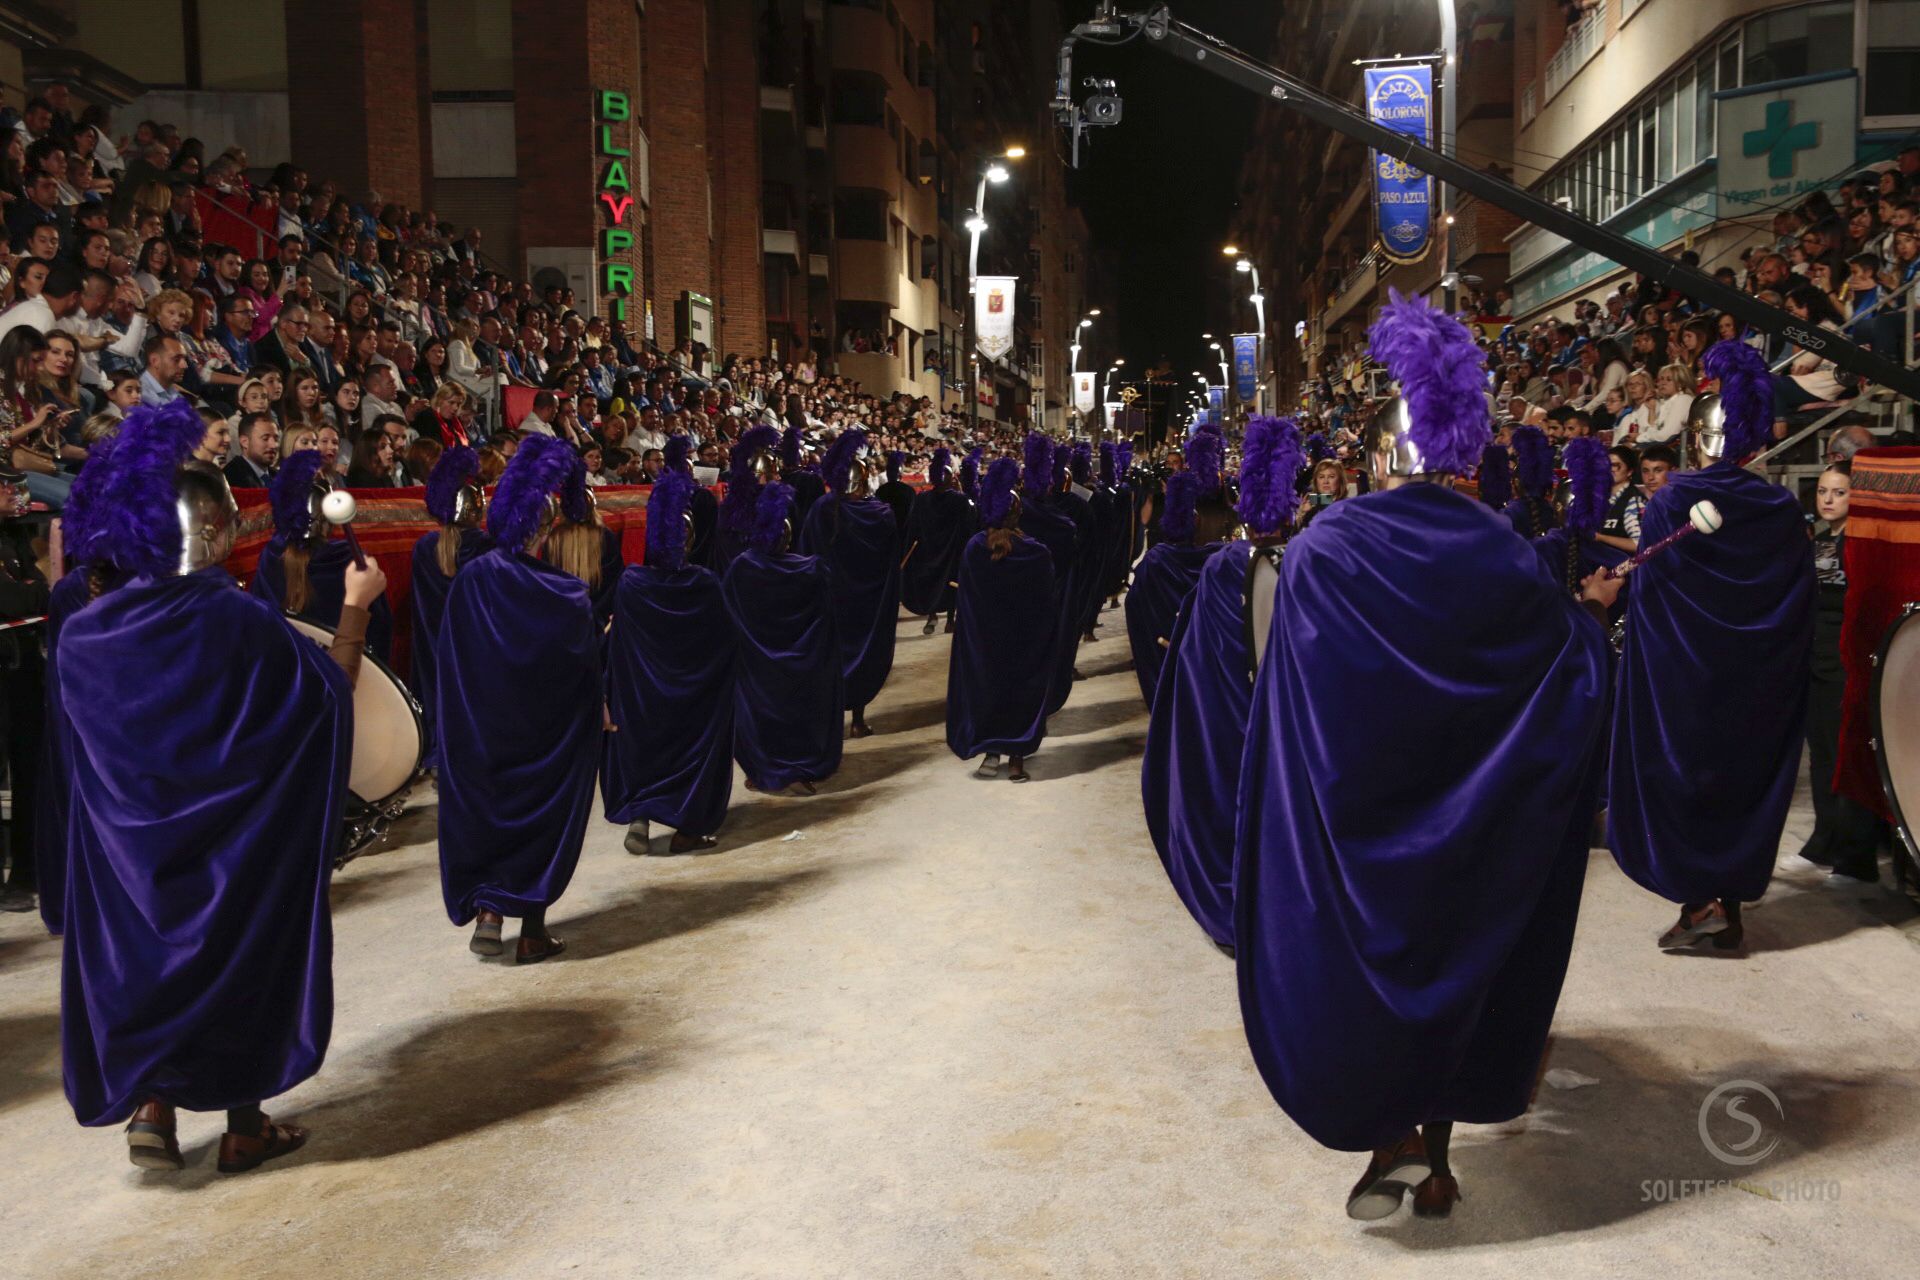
point(1896, 739)
point(388, 746)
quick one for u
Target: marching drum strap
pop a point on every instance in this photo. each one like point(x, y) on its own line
point(350, 641)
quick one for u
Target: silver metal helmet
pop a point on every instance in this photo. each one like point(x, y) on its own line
point(860, 475)
point(318, 525)
point(470, 504)
point(1392, 452)
point(209, 517)
point(1706, 430)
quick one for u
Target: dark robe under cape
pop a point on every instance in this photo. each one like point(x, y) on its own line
point(670, 689)
point(1056, 531)
point(702, 545)
point(428, 600)
point(51, 790)
point(1712, 698)
point(859, 542)
point(520, 714)
point(787, 703)
point(898, 495)
point(1089, 562)
point(1194, 737)
point(205, 806)
point(999, 671)
point(1415, 797)
point(937, 531)
point(1165, 577)
point(326, 593)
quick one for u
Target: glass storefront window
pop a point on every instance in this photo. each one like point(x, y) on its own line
point(1663, 138)
point(1801, 41)
point(1893, 58)
point(1703, 120)
point(1683, 122)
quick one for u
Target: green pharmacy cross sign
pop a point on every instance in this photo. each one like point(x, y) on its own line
point(613, 112)
point(1778, 139)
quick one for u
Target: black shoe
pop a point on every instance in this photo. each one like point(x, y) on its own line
point(18, 900)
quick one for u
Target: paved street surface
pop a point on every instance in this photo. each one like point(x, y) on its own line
point(924, 1026)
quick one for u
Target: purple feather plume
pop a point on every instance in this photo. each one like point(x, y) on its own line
point(997, 490)
point(455, 467)
point(771, 511)
point(1442, 376)
point(1270, 458)
point(538, 469)
point(790, 448)
point(1183, 498)
point(1062, 465)
point(837, 466)
point(1206, 453)
point(737, 509)
point(576, 504)
point(1532, 461)
point(940, 468)
point(679, 449)
point(1123, 456)
point(895, 459)
point(138, 529)
point(1319, 447)
point(1496, 476)
point(1109, 463)
point(81, 519)
point(667, 508)
point(1590, 476)
point(1081, 465)
point(1746, 396)
point(291, 494)
point(1037, 473)
point(970, 473)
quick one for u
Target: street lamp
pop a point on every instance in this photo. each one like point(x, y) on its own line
point(976, 224)
point(1259, 299)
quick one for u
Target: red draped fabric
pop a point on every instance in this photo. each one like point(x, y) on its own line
point(1883, 576)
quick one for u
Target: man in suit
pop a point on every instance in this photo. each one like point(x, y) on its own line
point(283, 347)
point(258, 443)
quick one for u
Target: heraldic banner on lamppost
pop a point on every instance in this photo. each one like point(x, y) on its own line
point(1401, 98)
point(993, 315)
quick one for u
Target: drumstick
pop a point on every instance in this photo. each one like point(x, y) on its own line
point(1702, 517)
point(339, 508)
point(909, 555)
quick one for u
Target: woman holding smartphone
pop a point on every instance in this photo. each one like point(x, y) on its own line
point(32, 426)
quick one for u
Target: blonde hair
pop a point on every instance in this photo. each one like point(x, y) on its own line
point(1339, 474)
point(575, 548)
point(1681, 375)
point(447, 394)
point(170, 298)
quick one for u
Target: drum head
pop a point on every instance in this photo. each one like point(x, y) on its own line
point(387, 738)
point(1896, 722)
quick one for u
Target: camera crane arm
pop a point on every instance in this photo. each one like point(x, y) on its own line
point(1110, 25)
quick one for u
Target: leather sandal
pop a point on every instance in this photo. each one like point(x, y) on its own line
point(1391, 1173)
point(152, 1142)
point(486, 934)
point(239, 1153)
point(1436, 1197)
point(535, 949)
point(683, 843)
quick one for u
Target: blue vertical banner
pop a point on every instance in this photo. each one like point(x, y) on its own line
point(1246, 366)
point(1401, 99)
point(1216, 403)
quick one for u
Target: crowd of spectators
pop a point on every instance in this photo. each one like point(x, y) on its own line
point(141, 268)
point(1628, 368)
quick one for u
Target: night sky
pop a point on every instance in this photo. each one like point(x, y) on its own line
point(1158, 188)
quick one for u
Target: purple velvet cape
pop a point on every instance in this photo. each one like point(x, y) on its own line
point(1165, 577)
point(518, 693)
point(1055, 531)
point(429, 603)
point(1712, 697)
point(702, 546)
point(859, 542)
point(787, 700)
point(1415, 797)
point(1107, 524)
point(205, 810)
point(69, 595)
point(670, 688)
point(898, 495)
point(1194, 737)
point(999, 673)
point(1089, 563)
point(938, 527)
point(326, 593)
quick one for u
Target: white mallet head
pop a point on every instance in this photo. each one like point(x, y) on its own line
point(1704, 517)
point(338, 507)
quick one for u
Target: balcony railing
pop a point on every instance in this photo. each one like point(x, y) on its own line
point(1365, 269)
point(1583, 41)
